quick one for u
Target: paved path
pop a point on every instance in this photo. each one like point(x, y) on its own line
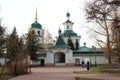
point(60, 73)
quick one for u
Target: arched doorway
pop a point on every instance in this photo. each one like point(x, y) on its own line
point(59, 59)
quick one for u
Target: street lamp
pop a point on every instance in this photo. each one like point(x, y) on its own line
point(90, 57)
point(94, 49)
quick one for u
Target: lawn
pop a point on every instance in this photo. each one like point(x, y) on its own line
point(93, 70)
point(81, 78)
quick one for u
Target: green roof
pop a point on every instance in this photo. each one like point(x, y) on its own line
point(69, 33)
point(88, 54)
point(68, 21)
point(59, 43)
point(36, 25)
point(83, 49)
point(41, 55)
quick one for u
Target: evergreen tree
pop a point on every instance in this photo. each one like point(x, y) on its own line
point(12, 44)
point(2, 40)
point(21, 45)
point(70, 43)
point(32, 45)
point(77, 44)
point(2, 47)
point(13, 48)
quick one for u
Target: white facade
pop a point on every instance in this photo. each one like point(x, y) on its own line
point(39, 33)
point(99, 59)
point(68, 26)
point(60, 54)
point(50, 58)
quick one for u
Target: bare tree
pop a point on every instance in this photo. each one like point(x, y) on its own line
point(101, 12)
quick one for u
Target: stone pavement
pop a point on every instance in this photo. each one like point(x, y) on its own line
point(60, 73)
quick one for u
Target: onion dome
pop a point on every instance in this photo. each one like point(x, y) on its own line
point(36, 24)
point(59, 31)
point(68, 14)
point(69, 33)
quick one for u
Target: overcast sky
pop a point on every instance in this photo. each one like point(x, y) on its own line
point(51, 15)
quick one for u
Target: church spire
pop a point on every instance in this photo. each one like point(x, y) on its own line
point(36, 15)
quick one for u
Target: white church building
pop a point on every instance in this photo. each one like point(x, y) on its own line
point(59, 53)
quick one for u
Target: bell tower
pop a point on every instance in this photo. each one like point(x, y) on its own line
point(36, 27)
point(68, 25)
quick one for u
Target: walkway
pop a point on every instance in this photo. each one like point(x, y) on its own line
point(60, 73)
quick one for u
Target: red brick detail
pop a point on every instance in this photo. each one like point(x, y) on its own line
point(70, 64)
point(49, 64)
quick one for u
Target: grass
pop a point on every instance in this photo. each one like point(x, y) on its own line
point(81, 78)
point(93, 70)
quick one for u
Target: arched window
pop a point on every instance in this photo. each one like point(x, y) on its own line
point(67, 27)
point(39, 33)
point(67, 35)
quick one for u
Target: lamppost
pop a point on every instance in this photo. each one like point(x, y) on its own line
point(90, 57)
point(94, 50)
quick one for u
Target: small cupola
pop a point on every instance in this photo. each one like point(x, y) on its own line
point(84, 44)
point(68, 15)
point(59, 31)
point(68, 24)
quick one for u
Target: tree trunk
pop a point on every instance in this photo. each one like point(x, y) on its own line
point(15, 67)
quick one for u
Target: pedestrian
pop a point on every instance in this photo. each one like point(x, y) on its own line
point(88, 65)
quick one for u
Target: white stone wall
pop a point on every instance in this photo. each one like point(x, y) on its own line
point(99, 59)
point(2, 61)
point(38, 62)
point(50, 57)
point(68, 24)
point(34, 63)
point(68, 55)
point(41, 36)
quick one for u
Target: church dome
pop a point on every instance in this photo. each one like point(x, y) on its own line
point(36, 25)
point(69, 33)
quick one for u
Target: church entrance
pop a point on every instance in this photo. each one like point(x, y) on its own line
point(59, 59)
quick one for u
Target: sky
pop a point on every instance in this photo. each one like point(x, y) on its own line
point(51, 15)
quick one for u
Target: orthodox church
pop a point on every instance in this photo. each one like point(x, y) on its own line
point(60, 53)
